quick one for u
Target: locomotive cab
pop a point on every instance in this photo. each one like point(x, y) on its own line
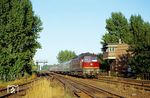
point(90, 66)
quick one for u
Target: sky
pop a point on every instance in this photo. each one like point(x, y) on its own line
point(78, 25)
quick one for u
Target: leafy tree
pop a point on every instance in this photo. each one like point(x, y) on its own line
point(46, 67)
point(65, 55)
point(140, 47)
point(100, 57)
point(109, 38)
point(19, 31)
point(105, 64)
point(118, 28)
point(35, 68)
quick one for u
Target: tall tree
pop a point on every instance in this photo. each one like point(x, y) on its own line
point(65, 55)
point(104, 63)
point(140, 47)
point(109, 38)
point(118, 28)
point(19, 31)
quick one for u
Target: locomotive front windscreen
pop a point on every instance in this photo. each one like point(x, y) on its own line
point(94, 59)
point(90, 58)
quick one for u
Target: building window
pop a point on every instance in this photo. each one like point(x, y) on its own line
point(112, 49)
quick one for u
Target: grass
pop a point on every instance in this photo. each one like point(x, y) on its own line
point(45, 89)
point(17, 82)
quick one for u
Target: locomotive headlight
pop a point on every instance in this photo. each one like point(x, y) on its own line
point(91, 64)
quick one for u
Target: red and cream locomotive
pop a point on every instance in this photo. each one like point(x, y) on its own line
point(85, 65)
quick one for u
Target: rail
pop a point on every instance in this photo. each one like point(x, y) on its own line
point(138, 84)
point(91, 90)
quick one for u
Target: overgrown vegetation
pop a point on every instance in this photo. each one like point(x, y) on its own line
point(19, 31)
point(44, 88)
point(20, 81)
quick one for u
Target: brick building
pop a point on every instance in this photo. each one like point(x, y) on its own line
point(118, 55)
point(114, 51)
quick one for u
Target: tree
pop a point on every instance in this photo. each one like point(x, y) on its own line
point(105, 64)
point(19, 31)
point(118, 28)
point(65, 55)
point(140, 47)
point(46, 67)
point(109, 38)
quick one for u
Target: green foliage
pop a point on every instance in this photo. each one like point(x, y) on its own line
point(65, 55)
point(141, 44)
point(109, 38)
point(105, 64)
point(34, 68)
point(100, 57)
point(46, 67)
point(18, 38)
point(118, 28)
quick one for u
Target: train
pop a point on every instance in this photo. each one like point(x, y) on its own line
point(83, 65)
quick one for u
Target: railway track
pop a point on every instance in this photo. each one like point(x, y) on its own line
point(91, 90)
point(81, 87)
point(137, 84)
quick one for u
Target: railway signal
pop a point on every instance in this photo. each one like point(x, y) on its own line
point(44, 62)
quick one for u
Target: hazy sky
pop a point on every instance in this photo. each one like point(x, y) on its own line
point(78, 25)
